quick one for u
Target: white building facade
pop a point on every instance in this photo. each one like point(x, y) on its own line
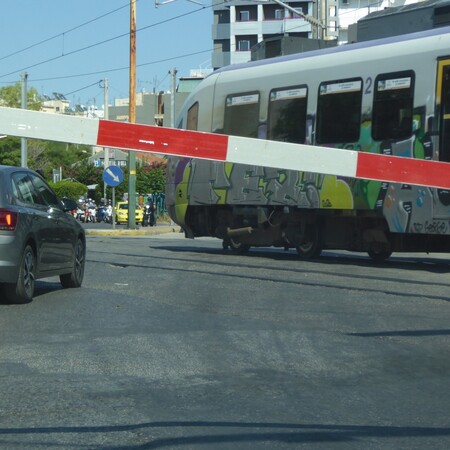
point(239, 25)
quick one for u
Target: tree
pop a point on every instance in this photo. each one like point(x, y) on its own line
point(87, 174)
point(11, 96)
point(46, 156)
point(150, 180)
point(10, 151)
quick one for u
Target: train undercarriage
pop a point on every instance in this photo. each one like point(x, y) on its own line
point(309, 231)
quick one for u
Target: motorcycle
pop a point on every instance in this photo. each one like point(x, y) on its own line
point(149, 216)
point(79, 215)
point(108, 214)
point(101, 214)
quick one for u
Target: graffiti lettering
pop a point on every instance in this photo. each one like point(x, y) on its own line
point(418, 227)
point(434, 227)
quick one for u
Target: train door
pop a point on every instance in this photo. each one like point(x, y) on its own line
point(443, 109)
point(443, 120)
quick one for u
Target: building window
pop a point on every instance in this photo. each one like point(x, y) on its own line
point(393, 106)
point(286, 120)
point(299, 15)
point(242, 115)
point(243, 45)
point(279, 14)
point(339, 111)
point(244, 16)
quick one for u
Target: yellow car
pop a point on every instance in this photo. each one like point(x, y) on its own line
point(121, 213)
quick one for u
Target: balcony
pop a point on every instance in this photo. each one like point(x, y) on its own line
point(220, 59)
point(220, 31)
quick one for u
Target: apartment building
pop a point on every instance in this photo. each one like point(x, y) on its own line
point(240, 25)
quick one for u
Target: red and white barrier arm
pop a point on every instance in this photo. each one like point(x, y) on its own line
point(219, 147)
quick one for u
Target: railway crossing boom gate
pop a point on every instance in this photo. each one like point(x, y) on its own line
point(219, 147)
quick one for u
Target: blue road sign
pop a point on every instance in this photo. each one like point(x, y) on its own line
point(113, 176)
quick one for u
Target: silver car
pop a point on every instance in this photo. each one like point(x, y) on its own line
point(39, 238)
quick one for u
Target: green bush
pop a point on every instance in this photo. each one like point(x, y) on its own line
point(69, 189)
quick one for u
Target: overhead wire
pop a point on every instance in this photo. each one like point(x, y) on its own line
point(97, 43)
point(17, 52)
point(116, 69)
point(104, 42)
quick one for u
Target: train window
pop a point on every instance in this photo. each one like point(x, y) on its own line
point(339, 111)
point(286, 119)
point(192, 117)
point(242, 115)
point(393, 106)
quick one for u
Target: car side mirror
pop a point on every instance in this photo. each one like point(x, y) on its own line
point(68, 204)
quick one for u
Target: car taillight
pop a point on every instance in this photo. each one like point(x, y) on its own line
point(8, 220)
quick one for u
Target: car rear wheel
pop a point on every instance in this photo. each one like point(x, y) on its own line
point(22, 291)
point(75, 278)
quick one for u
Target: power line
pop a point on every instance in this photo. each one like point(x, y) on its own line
point(102, 42)
point(83, 88)
point(120, 68)
point(17, 52)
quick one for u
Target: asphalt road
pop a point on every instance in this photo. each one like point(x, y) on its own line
point(177, 344)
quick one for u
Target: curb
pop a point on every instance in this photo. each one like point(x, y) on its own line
point(138, 232)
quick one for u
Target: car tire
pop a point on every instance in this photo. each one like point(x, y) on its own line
point(75, 278)
point(23, 290)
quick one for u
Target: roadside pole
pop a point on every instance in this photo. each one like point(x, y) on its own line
point(24, 141)
point(113, 218)
point(105, 149)
point(132, 119)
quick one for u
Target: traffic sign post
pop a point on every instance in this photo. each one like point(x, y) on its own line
point(113, 176)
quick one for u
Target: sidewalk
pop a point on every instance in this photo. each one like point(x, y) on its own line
point(140, 231)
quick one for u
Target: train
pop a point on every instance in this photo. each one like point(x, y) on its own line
point(388, 96)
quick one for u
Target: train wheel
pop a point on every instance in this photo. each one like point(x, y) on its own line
point(312, 247)
point(238, 247)
point(379, 256)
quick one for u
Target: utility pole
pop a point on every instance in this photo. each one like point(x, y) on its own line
point(173, 75)
point(106, 117)
point(23, 141)
point(132, 119)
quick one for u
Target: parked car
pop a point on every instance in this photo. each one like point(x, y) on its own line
point(39, 238)
point(121, 213)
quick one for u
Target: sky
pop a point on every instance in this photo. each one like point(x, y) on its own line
point(71, 46)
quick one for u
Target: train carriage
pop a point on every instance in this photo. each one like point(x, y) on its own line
point(389, 96)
